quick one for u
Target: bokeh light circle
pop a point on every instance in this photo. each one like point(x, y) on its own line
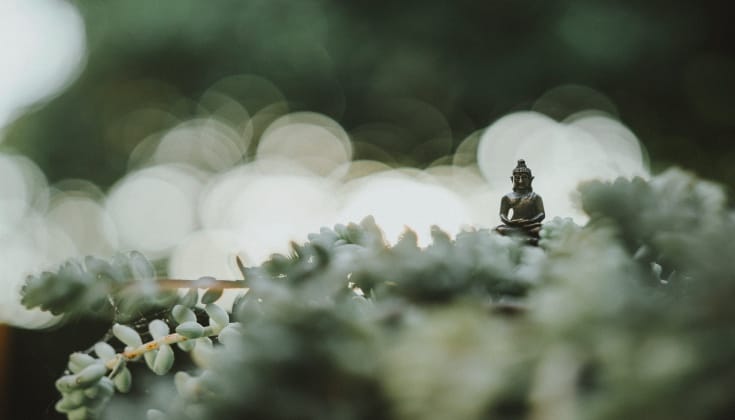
point(155, 208)
point(398, 200)
point(206, 143)
point(266, 210)
point(42, 45)
point(309, 139)
point(588, 145)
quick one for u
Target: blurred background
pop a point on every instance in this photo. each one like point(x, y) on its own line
point(232, 126)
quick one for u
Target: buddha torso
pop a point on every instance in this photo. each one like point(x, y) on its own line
point(523, 204)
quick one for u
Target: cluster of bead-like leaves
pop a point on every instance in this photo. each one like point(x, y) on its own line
point(92, 377)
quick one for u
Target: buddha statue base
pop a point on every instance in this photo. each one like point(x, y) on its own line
point(528, 233)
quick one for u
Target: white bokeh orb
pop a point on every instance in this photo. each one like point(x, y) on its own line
point(155, 208)
point(561, 155)
point(42, 45)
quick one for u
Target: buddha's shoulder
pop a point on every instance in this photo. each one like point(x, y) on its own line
point(514, 195)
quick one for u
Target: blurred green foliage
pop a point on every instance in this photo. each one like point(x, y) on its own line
point(585, 326)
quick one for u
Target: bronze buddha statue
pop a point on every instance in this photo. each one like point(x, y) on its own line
point(521, 210)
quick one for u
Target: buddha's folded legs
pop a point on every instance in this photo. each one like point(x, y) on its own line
point(532, 230)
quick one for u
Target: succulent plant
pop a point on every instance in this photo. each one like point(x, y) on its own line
point(625, 317)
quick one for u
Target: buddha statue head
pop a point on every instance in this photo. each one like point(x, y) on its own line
point(522, 177)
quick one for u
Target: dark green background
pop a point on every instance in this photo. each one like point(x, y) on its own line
point(667, 66)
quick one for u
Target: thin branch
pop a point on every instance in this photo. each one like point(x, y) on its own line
point(176, 284)
point(240, 265)
point(205, 283)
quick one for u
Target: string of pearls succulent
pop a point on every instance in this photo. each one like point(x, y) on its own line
point(92, 379)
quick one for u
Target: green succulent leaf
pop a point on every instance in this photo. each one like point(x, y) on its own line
point(190, 329)
point(123, 380)
point(183, 314)
point(217, 315)
point(164, 360)
point(211, 295)
point(104, 351)
point(158, 329)
point(78, 361)
point(127, 335)
point(91, 374)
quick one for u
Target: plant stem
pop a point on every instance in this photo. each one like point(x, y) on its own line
point(167, 283)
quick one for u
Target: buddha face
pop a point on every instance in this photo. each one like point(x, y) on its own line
point(521, 180)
